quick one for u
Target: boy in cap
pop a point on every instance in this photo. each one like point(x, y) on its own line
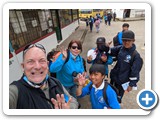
point(117, 40)
point(102, 56)
point(96, 89)
point(128, 66)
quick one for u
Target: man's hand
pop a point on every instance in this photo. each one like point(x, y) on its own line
point(60, 102)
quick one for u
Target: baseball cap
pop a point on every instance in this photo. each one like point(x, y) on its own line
point(128, 35)
point(101, 40)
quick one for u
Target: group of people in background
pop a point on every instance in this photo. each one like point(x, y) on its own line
point(37, 89)
point(97, 20)
point(108, 18)
point(93, 20)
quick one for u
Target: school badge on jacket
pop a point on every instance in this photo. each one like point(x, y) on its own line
point(128, 58)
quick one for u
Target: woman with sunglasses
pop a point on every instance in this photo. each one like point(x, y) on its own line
point(65, 71)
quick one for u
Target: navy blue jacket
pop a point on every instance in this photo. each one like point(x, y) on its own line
point(127, 68)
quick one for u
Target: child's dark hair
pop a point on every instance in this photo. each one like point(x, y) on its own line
point(51, 54)
point(98, 68)
point(125, 25)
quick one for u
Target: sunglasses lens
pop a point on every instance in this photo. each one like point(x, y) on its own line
point(74, 47)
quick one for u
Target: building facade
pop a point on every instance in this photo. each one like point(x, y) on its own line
point(122, 14)
point(49, 27)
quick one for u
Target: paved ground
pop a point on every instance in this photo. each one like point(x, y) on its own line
point(89, 40)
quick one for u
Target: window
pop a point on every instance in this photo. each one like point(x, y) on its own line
point(25, 26)
point(17, 27)
point(86, 11)
point(75, 14)
point(65, 17)
point(97, 10)
point(28, 25)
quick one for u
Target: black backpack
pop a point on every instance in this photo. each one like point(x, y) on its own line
point(115, 40)
point(105, 97)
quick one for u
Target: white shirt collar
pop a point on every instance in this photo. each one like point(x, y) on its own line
point(100, 87)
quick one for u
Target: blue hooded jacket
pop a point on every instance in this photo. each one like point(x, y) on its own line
point(64, 71)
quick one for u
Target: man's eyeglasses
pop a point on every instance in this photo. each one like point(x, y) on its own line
point(74, 47)
point(33, 45)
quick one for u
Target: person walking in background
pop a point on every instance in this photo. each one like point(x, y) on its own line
point(91, 22)
point(114, 16)
point(98, 16)
point(97, 24)
point(87, 21)
point(65, 70)
point(36, 89)
point(109, 19)
point(106, 18)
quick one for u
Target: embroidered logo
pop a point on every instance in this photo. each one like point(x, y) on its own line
point(100, 99)
point(128, 58)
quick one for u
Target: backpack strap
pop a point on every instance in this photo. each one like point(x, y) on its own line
point(90, 87)
point(104, 92)
point(132, 56)
point(84, 64)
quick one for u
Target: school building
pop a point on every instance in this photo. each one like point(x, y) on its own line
point(49, 27)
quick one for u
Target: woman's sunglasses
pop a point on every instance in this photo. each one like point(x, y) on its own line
point(74, 47)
